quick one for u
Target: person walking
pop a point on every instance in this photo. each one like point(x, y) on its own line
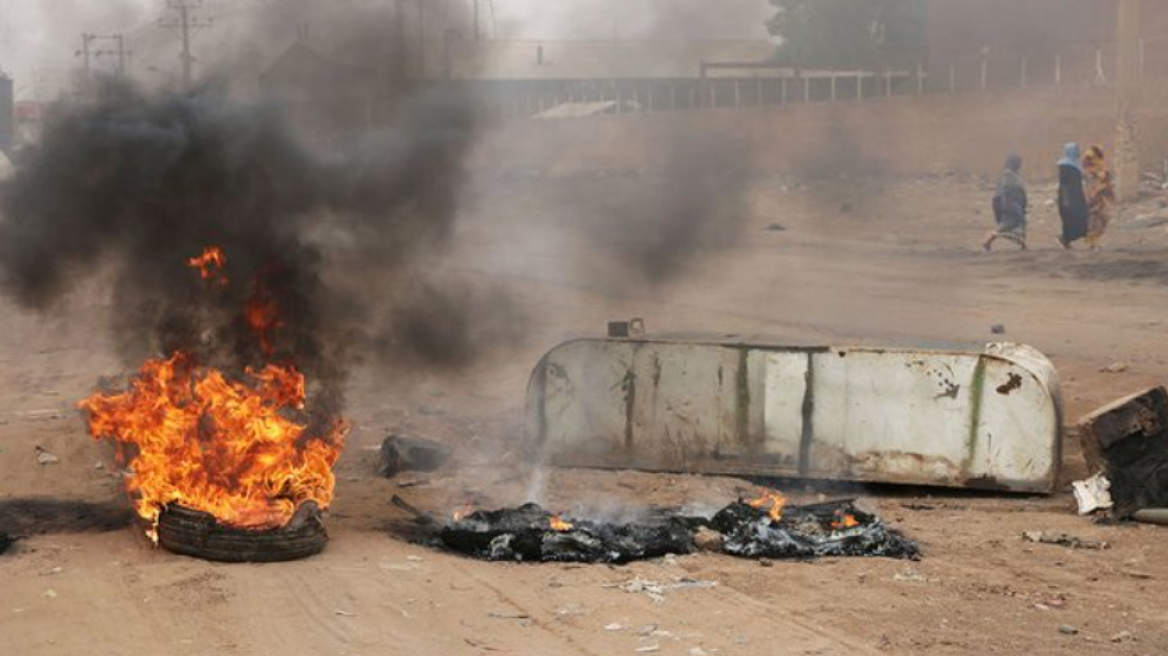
point(1010, 205)
point(1100, 192)
point(1072, 199)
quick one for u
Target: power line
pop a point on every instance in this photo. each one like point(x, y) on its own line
point(187, 22)
point(121, 52)
point(86, 52)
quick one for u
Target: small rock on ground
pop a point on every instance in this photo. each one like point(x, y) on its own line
point(1123, 636)
point(708, 540)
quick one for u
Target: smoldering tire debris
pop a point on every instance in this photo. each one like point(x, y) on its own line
point(527, 534)
point(530, 534)
point(822, 530)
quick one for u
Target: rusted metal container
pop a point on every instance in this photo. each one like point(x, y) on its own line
point(988, 418)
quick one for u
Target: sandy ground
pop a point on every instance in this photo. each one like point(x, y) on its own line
point(904, 263)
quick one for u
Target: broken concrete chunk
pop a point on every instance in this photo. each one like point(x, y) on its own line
point(402, 454)
point(1127, 441)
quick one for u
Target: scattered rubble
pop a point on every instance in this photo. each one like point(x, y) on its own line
point(1093, 494)
point(657, 591)
point(1114, 368)
point(1123, 636)
point(408, 454)
point(45, 458)
point(1063, 540)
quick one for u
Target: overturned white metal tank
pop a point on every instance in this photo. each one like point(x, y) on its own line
point(988, 418)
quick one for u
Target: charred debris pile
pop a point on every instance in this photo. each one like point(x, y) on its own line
point(766, 528)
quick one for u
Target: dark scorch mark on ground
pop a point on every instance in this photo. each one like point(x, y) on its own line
point(44, 516)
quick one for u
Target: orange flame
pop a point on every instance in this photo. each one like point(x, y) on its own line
point(559, 525)
point(218, 446)
point(230, 448)
point(844, 520)
point(263, 317)
point(210, 265)
point(775, 500)
point(462, 513)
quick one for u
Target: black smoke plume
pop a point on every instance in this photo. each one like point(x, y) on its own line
point(694, 205)
point(132, 185)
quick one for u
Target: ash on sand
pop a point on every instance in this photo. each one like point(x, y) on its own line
point(803, 532)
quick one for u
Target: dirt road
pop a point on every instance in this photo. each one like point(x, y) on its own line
point(862, 262)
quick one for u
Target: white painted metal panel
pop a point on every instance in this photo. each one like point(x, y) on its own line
point(930, 417)
point(684, 404)
point(881, 415)
point(1009, 445)
point(583, 391)
point(785, 396)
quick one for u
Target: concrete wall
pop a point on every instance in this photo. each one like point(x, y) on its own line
point(908, 135)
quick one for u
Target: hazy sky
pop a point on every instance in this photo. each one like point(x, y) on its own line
point(39, 38)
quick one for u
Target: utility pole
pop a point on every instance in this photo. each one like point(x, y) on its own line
point(478, 30)
point(421, 38)
point(186, 22)
point(1127, 155)
point(85, 53)
point(122, 53)
point(121, 39)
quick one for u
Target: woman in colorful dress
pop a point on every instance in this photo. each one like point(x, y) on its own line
point(1100, 191)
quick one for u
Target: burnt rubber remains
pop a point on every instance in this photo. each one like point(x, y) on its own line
point(532, 534)
point(815, 531)
point(192, 533)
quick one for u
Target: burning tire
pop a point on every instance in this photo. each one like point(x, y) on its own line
point(197, 534)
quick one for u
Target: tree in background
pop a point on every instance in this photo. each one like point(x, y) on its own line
point(846, 33)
